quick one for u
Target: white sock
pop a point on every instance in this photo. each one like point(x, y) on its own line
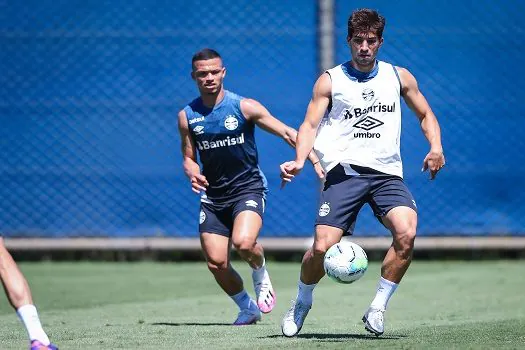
point(304, 292)
point(29, 317)
point(243, 300)
point(385, 289)
point(258, 274)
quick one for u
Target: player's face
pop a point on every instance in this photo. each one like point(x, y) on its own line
point(364, 47)
point(208, 74)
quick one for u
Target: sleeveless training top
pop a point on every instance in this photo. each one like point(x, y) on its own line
point(363, 125)
point(225, 141)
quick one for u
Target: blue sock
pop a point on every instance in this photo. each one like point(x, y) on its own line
point(242, 300)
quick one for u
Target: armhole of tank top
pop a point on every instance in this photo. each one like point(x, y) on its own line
point(330, 104)
point(185, 109)
point(398, 79)
point(188, 112)
point(240, 109)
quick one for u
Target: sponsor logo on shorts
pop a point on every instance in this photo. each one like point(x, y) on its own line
point(414, 202)
point(231, 123)
point(202, 217)
point(251, 203)
point(325, 209)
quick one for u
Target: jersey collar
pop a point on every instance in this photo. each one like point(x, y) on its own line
point(355, 75)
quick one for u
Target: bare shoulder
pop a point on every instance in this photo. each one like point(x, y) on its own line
point(251, 107)
point(323, 85)
point(407, 79)
point(183, 121)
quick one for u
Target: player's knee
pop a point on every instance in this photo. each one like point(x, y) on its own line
point(319, 249)
point(404, 241)
point(3, 249)
point(244, 244)
point(217, 265)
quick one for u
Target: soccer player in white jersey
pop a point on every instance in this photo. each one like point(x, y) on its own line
point(19, 296)
point(353, 122)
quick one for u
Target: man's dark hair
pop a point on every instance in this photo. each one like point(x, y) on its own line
point(205, 54)
point(364, 21)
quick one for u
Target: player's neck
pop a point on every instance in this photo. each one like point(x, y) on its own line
point(361, 68)
point(212, 100)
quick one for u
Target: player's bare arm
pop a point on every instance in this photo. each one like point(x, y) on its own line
point(189, 156)
point(305, 139)
point(435, 159)
point(256, 112)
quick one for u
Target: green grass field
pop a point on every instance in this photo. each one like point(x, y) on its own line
point(453, 305)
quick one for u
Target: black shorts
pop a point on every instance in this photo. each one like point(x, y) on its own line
point(344, 195)
point(218, 218)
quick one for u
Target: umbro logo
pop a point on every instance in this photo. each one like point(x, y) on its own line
point(251, 203)
point(199, 129)
point(368, 123)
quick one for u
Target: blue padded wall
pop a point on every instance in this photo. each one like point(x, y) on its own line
point(89, 94)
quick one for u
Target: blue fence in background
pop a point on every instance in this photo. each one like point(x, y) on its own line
point(89, 94)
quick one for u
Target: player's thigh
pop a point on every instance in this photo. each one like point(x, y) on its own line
point(342, 198)
point(393, 204)
point(248, 219)
point(389, 192)
point(325, 237)
point(214, 218)
point(216, 248)
point(402, 222)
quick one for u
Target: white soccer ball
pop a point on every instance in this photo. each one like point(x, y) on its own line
point(345, 262)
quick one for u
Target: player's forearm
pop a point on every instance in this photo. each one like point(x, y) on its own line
point(291, 139)
point(305, 143)
point(432, 132)
point(191, 167)
point(312, 156)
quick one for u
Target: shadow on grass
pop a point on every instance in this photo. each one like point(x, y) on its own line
point(180, 324)
point(327, 337)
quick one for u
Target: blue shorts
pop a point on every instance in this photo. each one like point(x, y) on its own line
point(218, 218)
point(344, 195)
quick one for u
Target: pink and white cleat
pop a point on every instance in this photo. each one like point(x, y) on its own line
point(264, 293)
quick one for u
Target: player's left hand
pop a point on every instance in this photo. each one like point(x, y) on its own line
point(434, 161)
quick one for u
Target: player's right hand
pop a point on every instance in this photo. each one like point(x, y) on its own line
point(198, 183)
point(289, 170)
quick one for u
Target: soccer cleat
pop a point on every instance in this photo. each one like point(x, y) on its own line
point(247, 316)
point(264, 293)
point(294, 318)
point(374, 321)
point(37, 345)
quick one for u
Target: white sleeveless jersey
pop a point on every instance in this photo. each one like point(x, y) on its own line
point(363, 126)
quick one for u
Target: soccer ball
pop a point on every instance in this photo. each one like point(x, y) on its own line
point(345, 262)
